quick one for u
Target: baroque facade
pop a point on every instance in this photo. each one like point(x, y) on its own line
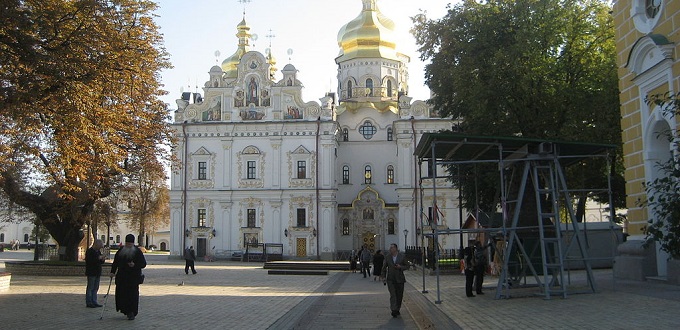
point(647, 49)
point(261, 165)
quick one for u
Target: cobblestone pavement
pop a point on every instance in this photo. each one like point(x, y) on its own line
point(229, 295)
point(615, 305)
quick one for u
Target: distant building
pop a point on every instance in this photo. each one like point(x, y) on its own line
point(261, 165)
point(647, 42)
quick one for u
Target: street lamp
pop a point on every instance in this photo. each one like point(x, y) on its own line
point(405, 236)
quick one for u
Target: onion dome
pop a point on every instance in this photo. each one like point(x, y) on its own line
point(369, 35)
point(229, 65)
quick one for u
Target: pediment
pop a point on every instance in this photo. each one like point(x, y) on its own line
point(202, 151)
point(301, 150)
point(649, 51)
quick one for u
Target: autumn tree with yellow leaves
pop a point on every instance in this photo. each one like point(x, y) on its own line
point(79, 105)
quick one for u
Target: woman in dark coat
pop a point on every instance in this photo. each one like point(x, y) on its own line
point(378, 260)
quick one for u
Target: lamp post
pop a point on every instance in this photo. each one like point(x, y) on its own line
point(405, 236)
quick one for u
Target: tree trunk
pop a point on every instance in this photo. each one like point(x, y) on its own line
point(581, 207)
point(67, 234)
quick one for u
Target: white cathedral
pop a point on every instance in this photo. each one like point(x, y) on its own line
point(261, 165)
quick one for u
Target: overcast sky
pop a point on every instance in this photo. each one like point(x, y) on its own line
point(195, 30)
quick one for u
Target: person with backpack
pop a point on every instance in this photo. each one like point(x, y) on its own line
point(481, 261)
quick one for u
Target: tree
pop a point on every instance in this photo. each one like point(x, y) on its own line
point(541, 69)
point(79, 88)
point(148, 198)
point(664, 192)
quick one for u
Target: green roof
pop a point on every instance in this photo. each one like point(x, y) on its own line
point(454, 147)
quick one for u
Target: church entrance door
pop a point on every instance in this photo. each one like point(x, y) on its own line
point(301, 247)
point(368, 239)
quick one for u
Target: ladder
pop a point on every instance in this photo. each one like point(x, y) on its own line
point(550, 240)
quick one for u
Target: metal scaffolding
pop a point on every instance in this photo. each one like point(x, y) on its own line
point(548, 241)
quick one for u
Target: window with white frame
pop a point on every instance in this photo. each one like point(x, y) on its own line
point(345, 227)
point(251, 169)
point(202, 170)
point(390, 174)
point(368, 176)
point(345, 174)
point(301, 217)
point(251, 218)
point(301, 169)
point(201, 216)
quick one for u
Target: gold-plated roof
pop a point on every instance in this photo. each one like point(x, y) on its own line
point(371, 34)
point(229, 65)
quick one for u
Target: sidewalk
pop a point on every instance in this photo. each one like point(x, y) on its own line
point(230, 295)
point(616, 305)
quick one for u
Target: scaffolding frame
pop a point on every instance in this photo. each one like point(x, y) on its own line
point(541, 163)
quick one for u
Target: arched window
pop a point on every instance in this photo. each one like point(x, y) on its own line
point(369, 86)
point(103, 238)
point(349, 89)
point(390, 136)
point(2, 237)
point(117, 238)
point(390, 226)
point(390, 174)
point(345, 174)
point(367, 174)
point(345, 227)
point(389, 88)
point(25, 237)
point(345, 135)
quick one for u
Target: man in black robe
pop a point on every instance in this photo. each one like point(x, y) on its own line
point(127, 268)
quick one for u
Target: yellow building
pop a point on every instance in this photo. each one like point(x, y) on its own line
point(647, 48)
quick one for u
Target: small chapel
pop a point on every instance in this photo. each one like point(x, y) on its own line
point(319, 178)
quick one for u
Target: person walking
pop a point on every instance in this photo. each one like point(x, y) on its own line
point(365, 258)
point(481, 262)
point(93, 270)
point(353, 262)
point(190, 259)
point(469, 260)
point(378, 260)
point(127, 268)
point(393, 274)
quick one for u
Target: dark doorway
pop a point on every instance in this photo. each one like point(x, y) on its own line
point(200, 247)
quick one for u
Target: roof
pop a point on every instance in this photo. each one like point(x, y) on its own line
point(454, 147)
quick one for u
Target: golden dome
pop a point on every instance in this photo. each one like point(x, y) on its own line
point(229, 65)
point(371, 34)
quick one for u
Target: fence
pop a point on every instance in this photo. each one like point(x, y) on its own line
point(46, 252)
point(449, 259)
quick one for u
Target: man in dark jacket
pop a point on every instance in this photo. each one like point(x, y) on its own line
point(393, 274)
point(127, 268)
point(365, 258)
point(190, 259)
point(93, 270)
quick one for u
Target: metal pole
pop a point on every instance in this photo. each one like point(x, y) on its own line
point(434, 217)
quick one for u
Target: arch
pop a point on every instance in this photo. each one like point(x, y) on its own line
point(389, 87)
point(2, 237)
point(345, 134)
point(390, 174)
point(25, 237)
point(647, 52)
point(349, 88)
point(657, 149)
point(369, 86)
point(251, 150)
point(345, 174)
point(368, 175)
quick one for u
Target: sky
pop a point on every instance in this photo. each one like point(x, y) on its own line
point(194, 31)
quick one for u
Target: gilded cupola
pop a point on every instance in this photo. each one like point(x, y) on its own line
point(229, 65)
point(371, 34)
